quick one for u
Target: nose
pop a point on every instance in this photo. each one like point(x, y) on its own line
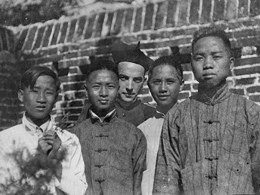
point(41, 97)
point(129, 87)
point(163, 87)
point(208, 63)
point(103, 92)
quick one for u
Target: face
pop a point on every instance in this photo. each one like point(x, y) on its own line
point(211, 61)
point(102, 88)
point(164, 85)
point(39, 100)
point(131, 80)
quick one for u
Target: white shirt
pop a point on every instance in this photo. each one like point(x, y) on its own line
point(151, 128)
point(24, 137)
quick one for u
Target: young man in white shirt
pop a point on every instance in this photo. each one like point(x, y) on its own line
point(165, 81)
point(38, 144)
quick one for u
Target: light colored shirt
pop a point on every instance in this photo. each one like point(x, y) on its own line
point(151, 128)
point(24, 138)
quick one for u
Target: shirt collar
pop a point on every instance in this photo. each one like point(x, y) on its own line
point(29, 126)
point(127, 106)
point(221, 93)
point(94, 117)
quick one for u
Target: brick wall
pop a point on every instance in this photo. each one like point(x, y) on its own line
point(9, 105)
point(162, 27)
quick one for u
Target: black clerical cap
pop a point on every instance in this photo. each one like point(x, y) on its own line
point(122, 52)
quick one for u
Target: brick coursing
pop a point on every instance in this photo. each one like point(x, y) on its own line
point(160, 26)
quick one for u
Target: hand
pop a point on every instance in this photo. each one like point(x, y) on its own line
point(43, 146)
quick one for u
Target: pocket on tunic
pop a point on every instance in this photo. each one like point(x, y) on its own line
point(234, 138)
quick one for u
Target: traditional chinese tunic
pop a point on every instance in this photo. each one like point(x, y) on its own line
point(210, 146)
point(114, 152)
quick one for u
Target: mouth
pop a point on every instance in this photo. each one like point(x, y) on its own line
point(40, 108)
point(209, 75)
point(163, 97)
point(129, 95)
point(103, 101)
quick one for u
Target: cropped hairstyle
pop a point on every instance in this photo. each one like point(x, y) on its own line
point(173, 61)
point(30, 77)
point(214, 32)
point(102, 64)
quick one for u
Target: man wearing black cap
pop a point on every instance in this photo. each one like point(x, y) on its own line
point(132, 66)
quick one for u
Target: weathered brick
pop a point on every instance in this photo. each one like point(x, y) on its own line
point(183, 12)
point(81, 26)
point(47, 34)
point(245, 81)
point(53, 51)
point(255, 98)
point(128, 20)
point(194, 11)
point(73, 110)
point(253, 89)
point(148, 19)
point(183, 95)
point(71, 30)
point(73, 70)
point(147, 99)
point(231, 12)
point(238, 91)
point(63, 32)
point(219, 8)
point(31, 35)
point(76, 103)
point(21, 39)
point(138, 19)
point(55, 34)
point(254, 7)
point(72, 55)
point(118, 22)
point(186, 87)
point(90, 26)
point(171, 13)
point(144, 91)
point(99, 24)
point(206, 11)
point(245, 33)
point(243, 8)
point(73, 118)
point(11, 38)
point(247, 61)
point(187, 76)
point(195, 86)
point(80, 94)
point(107, 25)
point(73, 86)
point(4, 38)
point(247, 70)
point(39, 37)
point(160, 15)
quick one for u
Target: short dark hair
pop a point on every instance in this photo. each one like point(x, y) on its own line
point(30, 77)
point(102, 64)
point(214, 32)
point(173, 61)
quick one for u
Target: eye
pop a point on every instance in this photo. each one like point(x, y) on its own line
point(138, 80)
point(95, 86)
point(122, 78)
point(111, 86)
point(216, 57)
point(156, 82)
point(198, 57)
point(35, 90)
point(170, 82)
point(49, 92)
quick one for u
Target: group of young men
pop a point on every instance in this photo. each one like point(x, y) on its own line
point(207, 144)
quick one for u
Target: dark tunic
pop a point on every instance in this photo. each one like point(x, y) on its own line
point(135, 113)
point(114, 153)
point(210, 146)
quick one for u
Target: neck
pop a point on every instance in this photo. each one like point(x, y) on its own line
point(102, 113)
point(37, 122)
point(165, 109)
point(211, 91)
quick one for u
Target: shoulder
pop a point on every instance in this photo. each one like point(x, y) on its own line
point(12, 131)
point(148, 109)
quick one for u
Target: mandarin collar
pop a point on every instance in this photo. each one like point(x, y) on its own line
point(94, 117)
point(220, 94)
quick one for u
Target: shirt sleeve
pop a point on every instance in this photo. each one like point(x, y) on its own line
point(254, 125)
point(167, 172)
point(73, 179)
point(139, 162)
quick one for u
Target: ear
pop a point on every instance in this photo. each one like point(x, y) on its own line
point(20, 95)
point(181, 85)
point(232, 61)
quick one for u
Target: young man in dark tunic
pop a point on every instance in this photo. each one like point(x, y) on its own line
point(210, 142)
point(114, 150)
point(132, 65)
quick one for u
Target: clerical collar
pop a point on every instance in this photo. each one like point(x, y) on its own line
point(94, 117)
